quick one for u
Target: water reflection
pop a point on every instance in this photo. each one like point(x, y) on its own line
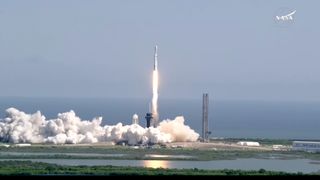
point(156, 164)
point(168, 156)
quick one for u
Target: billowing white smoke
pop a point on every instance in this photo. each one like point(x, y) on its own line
point(175, 128)
point(19, 127)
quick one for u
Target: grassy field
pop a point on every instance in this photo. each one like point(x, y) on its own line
point(37, 168)
point(139, 154)
point(102, 151)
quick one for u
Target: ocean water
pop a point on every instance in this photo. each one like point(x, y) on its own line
point(237, 119)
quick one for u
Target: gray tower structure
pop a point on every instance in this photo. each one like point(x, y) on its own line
point(205, 107)
point(149, 119)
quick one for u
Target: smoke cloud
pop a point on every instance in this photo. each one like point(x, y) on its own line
point(67, 128)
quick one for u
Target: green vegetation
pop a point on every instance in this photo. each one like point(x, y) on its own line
point(102, 152)
point(37, 168)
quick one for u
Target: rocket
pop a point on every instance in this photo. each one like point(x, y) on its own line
point(155, 67)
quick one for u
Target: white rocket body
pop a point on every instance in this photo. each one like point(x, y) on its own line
point(155, 58)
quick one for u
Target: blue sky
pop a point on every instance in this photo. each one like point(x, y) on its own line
point(231, 49)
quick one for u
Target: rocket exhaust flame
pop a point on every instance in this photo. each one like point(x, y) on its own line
point(155, 98)
point(155, 84)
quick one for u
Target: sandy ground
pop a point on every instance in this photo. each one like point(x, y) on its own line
point(215, 146)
